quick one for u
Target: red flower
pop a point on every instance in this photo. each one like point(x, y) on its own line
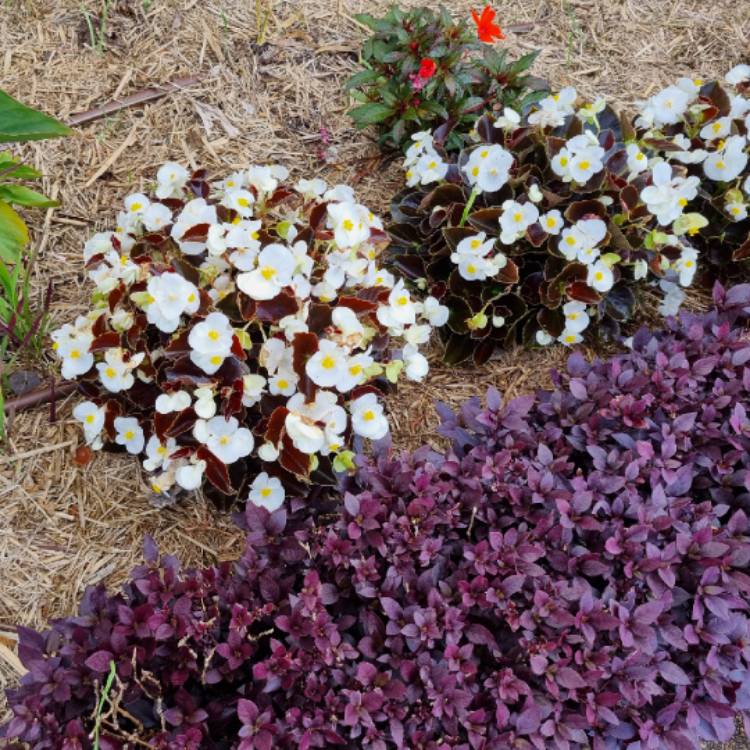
point(487, 30)
point(427, 68)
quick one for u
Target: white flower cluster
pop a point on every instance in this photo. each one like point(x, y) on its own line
point(423, 164)
point(259, 252)
point(720, 147)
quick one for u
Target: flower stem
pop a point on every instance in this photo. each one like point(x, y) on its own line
point(469, 204)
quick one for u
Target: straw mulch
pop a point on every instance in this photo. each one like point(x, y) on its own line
point(277, 98)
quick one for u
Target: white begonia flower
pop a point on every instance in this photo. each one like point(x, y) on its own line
point(600, 277)
point(156, 217)
point(268, 452)
point(121, 320)
point(216, 242)
point(509, 120)
point(240, 201)
point(211, 342)
point(673, 298)
point(368, 419)
point(476, 245)
point(354, 373)
point(569, 337)
point(303, 422)
point(326, 367)
point(205, 405)
point(585, 163)
point(400, 311)
point(378, 277)
point(194, 213)
point(435, 313)
point(589, 113)
point(691, 86)
point(243, 239)
point(666, 107)
point(340, 194)
point(552, 222)
point(234, 181)
point(474, 268)
point(283, 382)
point(422, 142)
point(640, 270)
point(224, 438)
point(171, 180)
point(115, 373)
point(167, 403)
point(543, 338)
point(738, 74)
point(719, 128)
point(291, 325)
point(416, 365)
point(266, 492)
point(553, 109)
point(158, 453)
point(91, 417)
point(99, 244)
point(667, 196)
point(311, 189)
point(589, 233)
point(728, 161)
point(170, 295)
point(274, 354)
point(429, 168)
point(275, 266)
point(739, 106)
point(349, 223)
point(576, 317)
point(637, 161)
point(72, 346)
point(561, 164)
point(736, 210)
point(515, 219)
point(135, 206)
point(253, 388)
point(190, 476)
point(535, 194)
point(266, 179)
point(417, 334)
point(129, 434)
point(346, 320)
point(686, 265)
point(488, 168)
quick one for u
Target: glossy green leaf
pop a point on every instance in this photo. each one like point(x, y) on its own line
point(20, 123)
point(13, 234)
point(23, 196)
point(369, 114)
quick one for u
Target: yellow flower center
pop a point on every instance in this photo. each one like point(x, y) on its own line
point(484, 153)
point(573, 316)
point(475, 172)
point(639, 156)
point(570, 239)
point(110, 372)
point(551, 222)
point(598, 276)
point(255, 235)
point(244, 202)
point(688, 264)
point(283, 384)
point(716, 127)
point(735, 210)
point(216, 359)
point(89, 419)
point(267, 272)
point(517, 217)
point(224, 440)
point(213, 335)
point(563, 161)
point(75, 354)
point(475, 244)
point(682, 201)
point(402, 300)
point(720, 165)
point(191, 297)
point(355, 369)
point(265, 492)
point(570, 339)
point(432, 165)
point(129, 435)
point(369, 415)
point(328, 362)
point(161, 450)
point(471, 268)
point(584, 164)
point(348, 224)
point(136, 206)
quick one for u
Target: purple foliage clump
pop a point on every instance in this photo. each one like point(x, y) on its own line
point(569, 574)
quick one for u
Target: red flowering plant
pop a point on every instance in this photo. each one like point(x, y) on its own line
point(241, 332)
point(423, 69)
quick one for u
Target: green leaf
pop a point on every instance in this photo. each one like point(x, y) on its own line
point(21, 123)
point(362, 78)
point(369, 114)
point(23, 196)
point(524, 63)
point(13, 234)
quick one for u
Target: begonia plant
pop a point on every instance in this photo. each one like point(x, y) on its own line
point(241, 332)
point(424, 69)
point(549, 225)
point(570, 574)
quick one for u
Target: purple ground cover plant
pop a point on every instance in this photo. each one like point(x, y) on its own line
point(570, 573)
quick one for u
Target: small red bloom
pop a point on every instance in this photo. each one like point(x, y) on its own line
point(427, 68)
point(487, 30)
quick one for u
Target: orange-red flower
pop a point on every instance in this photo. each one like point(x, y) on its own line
point(487, 30)
point(427, 68)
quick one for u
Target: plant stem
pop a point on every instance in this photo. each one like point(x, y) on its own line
point(102, 699)
point(469, 205)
